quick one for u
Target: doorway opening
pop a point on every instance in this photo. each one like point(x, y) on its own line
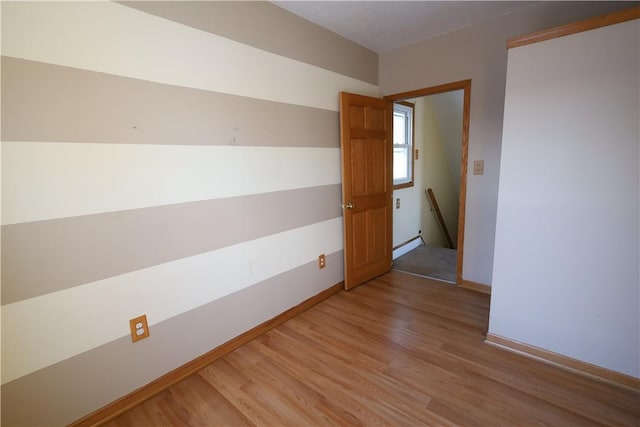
point(422, 235)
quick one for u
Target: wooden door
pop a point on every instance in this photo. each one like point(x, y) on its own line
point(367, 183)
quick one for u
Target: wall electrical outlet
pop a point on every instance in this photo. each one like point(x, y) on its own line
point(397, 203)
point(322, 261)
point(139, 328)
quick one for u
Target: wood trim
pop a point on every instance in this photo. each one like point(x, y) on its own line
point(406, 103)
point(447, 87)
point(475, 286)
point(138, 396)
point(406, 242)
point(466, 116)
point(565, 362)
point(576, 27)
point(404, 185)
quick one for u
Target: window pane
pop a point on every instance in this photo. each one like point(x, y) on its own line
point(402, 140)
point(400, 170)
point(399, 128)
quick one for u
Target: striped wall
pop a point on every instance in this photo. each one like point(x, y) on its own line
point(174, 159)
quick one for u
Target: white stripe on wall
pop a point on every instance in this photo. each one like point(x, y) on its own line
point(60, 325)
point(139, 45)
point(54, 180)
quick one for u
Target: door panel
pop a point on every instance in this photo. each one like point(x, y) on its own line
point(367, 184)
point(380, 243)
point(359, 248)
point(377, 159)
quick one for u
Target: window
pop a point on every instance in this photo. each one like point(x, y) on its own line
point(402, 145)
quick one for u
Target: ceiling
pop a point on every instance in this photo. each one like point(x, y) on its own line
point(385, 25)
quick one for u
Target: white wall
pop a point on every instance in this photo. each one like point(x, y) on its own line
point(447, 107)
point(436, 169)
point(566, 275)
point(438, 139)
point(478, 53)
point(406, 219)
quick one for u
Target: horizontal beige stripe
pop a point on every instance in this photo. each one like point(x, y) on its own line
point(271, 28)
point(48, 256)
point(70, 389)
point(161, 291)
point(43, 181)
point(43, 102)
point(111, 38)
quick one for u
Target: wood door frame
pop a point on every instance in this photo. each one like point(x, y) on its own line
point(465, 85)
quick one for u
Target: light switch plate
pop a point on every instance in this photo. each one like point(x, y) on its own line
point(478, 167)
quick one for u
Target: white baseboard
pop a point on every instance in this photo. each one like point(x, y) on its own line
point(409, 246)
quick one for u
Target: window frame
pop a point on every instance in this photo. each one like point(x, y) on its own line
point(406, 107)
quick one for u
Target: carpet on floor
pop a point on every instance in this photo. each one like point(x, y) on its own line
point(429, 261)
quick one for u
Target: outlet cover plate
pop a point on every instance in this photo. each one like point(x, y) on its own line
point(322, 261)
point(139, 328)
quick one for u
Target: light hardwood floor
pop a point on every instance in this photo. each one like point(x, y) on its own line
point(398, 351)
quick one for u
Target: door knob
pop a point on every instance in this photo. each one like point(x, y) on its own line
point(349, 205)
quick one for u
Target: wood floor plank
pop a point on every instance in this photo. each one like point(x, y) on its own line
point(400, 350)
point(232, 385)
point(338, 410)
point(297, 399)
point(558, 387)
point(379, 387)
point(325, 370)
